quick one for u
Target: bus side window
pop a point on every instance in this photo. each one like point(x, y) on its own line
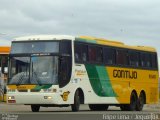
point(133, 58)
point(142, 60)
point(145, 60)
point(92, 54)
point(154, 60)
point(84, 53)
point(121, 57)
point(109, 56)
point(95, 54)
point(77, 48)
point(81, 51)
point(99, 54)
point(148, 59)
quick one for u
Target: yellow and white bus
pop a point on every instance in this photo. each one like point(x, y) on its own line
point(59, 70)
point(4, 52)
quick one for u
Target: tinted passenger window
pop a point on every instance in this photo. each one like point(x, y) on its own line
point(145, 60)
point(95, 54)
point(92, 54)
point(81, 51)
point(121, 57)
point(109, 55)
point(84, 53)
point(77, 49)
point(133, 58)
point(99, 55)
point(154, 60)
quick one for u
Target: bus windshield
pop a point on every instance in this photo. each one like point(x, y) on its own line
point(34, 70)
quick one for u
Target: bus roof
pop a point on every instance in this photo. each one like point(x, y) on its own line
point(87, 39)
point(44, 37)
point(116, 44)
point(4, 50)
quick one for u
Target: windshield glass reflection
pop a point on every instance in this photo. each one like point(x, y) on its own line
point(34, 70)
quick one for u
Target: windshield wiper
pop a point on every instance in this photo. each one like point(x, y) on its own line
point(20, 79)
point(36, 78)
point(34, 75)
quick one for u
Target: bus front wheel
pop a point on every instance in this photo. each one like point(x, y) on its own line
point(35, 108)
point(76, 105)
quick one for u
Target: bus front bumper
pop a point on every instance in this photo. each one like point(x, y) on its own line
point(36, 98)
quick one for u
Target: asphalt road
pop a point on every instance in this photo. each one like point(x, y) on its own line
point(65, 113)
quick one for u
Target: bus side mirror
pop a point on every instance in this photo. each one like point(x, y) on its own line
point(4, 70)
point(4, 65)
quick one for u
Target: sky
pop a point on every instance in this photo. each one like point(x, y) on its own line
point(134, 22)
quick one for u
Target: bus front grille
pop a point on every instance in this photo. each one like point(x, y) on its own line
point(23, 90)
point(34, 90)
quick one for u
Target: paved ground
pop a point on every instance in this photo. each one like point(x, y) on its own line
point(83, 109)
point(65, 113)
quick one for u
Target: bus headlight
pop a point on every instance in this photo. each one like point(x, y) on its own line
point(47, 97)
point(10, 97)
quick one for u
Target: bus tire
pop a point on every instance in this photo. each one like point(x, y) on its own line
point(76, 105)
point(98, 107)
point(35, 108)
point(133, 103)
point(140, 102)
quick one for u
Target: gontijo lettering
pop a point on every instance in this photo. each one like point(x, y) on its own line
point(124, 74)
